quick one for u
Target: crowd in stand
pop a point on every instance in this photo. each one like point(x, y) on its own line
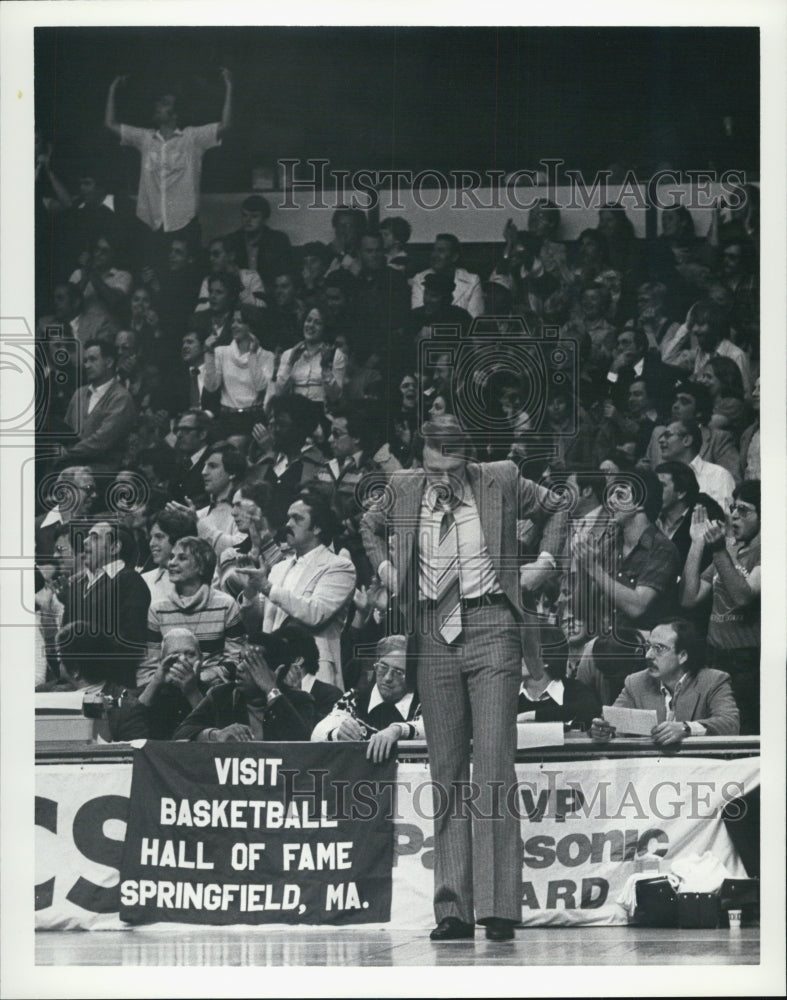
point(216, 422)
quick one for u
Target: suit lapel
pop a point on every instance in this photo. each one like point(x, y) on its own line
point(689, 697)
point(406, 514)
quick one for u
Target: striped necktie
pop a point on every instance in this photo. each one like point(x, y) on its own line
point(449, 608)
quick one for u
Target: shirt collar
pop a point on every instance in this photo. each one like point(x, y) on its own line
point(678, 685)
point(307, 682)
point(431, 497)
point(310, 556)
point(53, 517)
point(403, 705)
point(554, 691)
point(158, 135)
point(97, 393)
point(111, 569)
point(639, 366)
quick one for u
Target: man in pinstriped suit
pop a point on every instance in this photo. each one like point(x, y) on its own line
point(444, 543)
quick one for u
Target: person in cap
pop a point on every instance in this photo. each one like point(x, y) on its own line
point(437, 310)
point(443, 541)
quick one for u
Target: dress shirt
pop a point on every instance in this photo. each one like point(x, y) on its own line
point(638, 369)
point(169, 181)
point(111, 569)
point(158, 583)
point(294, 571)
point(714, 480)
point(96, 392)
point(476, 573)
point(554, 691)
point(53, 517)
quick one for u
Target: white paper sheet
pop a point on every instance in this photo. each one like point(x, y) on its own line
point(633, 721)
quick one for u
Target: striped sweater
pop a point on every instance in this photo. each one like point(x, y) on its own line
point(210, 615)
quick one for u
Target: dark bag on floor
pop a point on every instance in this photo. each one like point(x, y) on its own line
point(698, 909)
point(657, 903)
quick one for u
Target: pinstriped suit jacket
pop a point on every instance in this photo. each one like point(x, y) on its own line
point(502, 497)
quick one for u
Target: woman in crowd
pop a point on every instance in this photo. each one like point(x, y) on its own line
point(209, 614)
point(314, 368)
point(242, 373)
point(725, 383)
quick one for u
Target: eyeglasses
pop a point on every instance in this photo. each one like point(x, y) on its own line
point(658, 648)
point(184, 430)
point(742, 510)
point(385, 670)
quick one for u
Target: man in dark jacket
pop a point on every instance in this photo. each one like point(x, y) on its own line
point(111, 598)
point(257, 705)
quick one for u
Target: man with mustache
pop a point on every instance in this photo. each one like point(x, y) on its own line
point(312, 587)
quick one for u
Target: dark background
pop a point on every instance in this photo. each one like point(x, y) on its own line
point(414, 98)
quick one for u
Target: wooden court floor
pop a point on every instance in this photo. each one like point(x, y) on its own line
point(261, 946)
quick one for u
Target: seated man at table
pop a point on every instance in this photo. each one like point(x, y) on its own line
point(382, 713)
point(688, 699)
point(553, 697)
point(256, 705)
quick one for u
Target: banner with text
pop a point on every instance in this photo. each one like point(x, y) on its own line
point(584, 827)
point(253, 834)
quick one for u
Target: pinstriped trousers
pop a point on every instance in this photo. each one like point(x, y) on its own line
point(469, 691)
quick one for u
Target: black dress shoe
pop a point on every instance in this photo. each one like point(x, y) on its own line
point(452, 929)
point(498, 929)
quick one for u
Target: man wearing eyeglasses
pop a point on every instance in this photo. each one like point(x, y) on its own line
point(688, 699)
point(191, 444)
point(383, 713)
point(75, 493)
point(444, 543)
point(732, 583)
point(681, 441)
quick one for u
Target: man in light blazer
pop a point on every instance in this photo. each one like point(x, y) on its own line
point(101, 414)
point(688, 699)
point(313, 586)
point(443, 540)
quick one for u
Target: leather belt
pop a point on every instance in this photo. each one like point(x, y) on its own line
point(469, 603)
point(231, 411)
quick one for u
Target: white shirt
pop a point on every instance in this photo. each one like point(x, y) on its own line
point(158, 583)
point(241, 377)
point(554, 691)
point(95, 393)
point(467, 292)
point(476, 573)
point(111, 570)
point(169, 179)
point(714, 480)
point(53, 517)
point(327, 727)
point(293, 572)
